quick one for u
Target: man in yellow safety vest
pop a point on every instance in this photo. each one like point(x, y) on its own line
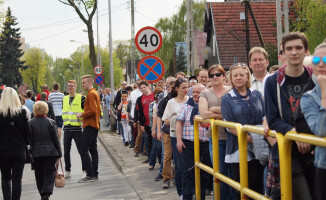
point(72, 104)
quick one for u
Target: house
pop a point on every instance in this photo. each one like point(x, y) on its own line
point(225, 26)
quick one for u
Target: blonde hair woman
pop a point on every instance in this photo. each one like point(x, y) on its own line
point(13, 139)
point(45, 148)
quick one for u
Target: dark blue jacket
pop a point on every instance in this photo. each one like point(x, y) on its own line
point(275, 122)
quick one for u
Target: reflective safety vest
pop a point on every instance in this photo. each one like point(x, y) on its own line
point(69, 111)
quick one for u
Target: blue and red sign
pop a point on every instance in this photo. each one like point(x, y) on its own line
point(151, 68)
point(98, 80)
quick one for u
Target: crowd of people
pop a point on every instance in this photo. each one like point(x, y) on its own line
point(158, 122)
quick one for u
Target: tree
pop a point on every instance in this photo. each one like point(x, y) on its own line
point(89, 7)
point(37, 63)
point(311, 19)
point(181, 59)
point(173, 30)
point(10, 53)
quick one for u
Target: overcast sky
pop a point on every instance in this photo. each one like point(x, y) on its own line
point(50, 25)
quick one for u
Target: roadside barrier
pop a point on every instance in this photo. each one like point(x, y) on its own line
point(284, 143)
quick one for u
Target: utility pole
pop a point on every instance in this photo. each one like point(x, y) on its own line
point(192, 38)
point(111, 68)
point(133, 67)
point(279, 14)
point(188, 38)
point(247, 28)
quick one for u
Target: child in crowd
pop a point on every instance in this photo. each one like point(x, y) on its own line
point(123, 117)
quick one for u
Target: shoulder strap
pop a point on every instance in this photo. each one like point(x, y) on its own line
point(279, 99)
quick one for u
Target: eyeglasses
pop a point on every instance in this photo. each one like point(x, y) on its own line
point(316, 60)
point(193, 81)
point(182, 80)
point(216, 74)
point(70, 85)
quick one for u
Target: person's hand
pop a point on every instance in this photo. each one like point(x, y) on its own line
point(303, 147)
point(159, 136)
point(167, 122)
point(134, 125)
point(79, 115)
point(154, 134)
point(142, 129)
point(180, 145)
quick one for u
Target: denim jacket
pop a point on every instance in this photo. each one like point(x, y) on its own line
point(315, 115)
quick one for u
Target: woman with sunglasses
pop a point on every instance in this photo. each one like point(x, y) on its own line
point(244, 106)
point(178, 97)
point(313, 104)
point(210, 108)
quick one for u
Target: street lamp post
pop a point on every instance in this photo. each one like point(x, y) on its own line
point(82, 54)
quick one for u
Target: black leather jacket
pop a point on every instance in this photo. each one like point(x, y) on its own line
point(44, 137)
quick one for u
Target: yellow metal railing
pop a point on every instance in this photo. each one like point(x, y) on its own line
point(284, 143)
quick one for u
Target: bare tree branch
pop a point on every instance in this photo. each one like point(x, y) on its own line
point(72, 3)
point(64, 3)
point(85, 7)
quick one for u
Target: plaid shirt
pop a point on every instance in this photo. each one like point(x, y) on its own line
point(188, 129)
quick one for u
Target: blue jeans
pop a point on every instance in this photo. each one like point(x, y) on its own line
point(177, 165)
point(188, 172)
point(162, 157)
point(120, 128)
point(148, 140)
point(156, 152)
point(226, 169)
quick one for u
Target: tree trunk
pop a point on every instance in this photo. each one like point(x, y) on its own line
point(92, 54)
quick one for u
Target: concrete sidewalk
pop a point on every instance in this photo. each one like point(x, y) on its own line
point(136, 172)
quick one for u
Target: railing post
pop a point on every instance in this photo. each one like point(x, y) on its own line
point(215, 159)
point(284, 149)
point(197, 159)
point(243, 162)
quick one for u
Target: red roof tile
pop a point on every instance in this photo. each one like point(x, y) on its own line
point(227, 19)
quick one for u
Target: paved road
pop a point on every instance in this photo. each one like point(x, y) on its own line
point(112, 185)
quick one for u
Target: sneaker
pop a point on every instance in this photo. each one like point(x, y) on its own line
point(67, 175)
point(126, 144)
point(146, 161)
point(166, 184)
point(131, 146)
point(208, 192)
point(86, 179)
point(84, 174)
point(136, 154)
point(158, 177)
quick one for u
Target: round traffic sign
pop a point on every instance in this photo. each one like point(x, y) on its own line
point(148, 40)
point(98, 80)
point(98, 70)
point(151, 68)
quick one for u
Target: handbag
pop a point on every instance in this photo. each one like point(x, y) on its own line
point(166, 129)
point(29, 157)
point(59, 180)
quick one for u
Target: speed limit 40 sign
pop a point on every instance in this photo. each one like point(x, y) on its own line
point(98, 70)
point(148, 40)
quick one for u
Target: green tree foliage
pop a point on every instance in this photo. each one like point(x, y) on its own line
point(181, 60)
point(37, 62)
point(174, 29)
point(10, 53)
point(311, 19)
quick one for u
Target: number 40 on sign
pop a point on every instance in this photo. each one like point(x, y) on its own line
point(148, 40)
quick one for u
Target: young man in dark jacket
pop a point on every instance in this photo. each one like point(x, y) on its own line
point(283, 91)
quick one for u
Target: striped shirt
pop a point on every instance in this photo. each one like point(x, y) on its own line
point(188, 129)
point(56, 98)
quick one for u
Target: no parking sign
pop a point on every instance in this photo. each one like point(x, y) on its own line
point(151, 68)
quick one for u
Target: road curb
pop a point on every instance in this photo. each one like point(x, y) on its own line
point(113, 156)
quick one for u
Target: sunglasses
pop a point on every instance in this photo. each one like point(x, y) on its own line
point(216, 74)
point(193, 81)
point(123, 84)
point(182, 80)
point(316, 60)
